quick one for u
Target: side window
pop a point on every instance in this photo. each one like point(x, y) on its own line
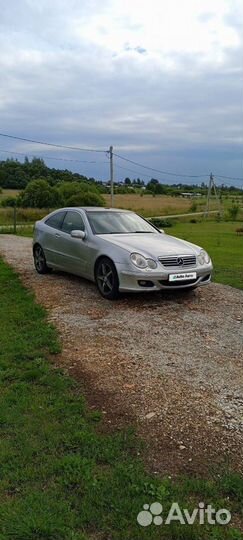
point(72, 221)
point(56, 220)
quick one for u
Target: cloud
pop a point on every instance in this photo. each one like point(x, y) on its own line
point(138, 49)
point(162, 82)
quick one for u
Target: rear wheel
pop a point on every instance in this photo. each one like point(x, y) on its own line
point(40, 261)
point(107, 279)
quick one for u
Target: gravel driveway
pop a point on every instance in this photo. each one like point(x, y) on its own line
point(169, 363)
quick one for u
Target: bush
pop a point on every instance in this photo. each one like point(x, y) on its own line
point(9, 202)
point(193, 207)
point(234, 211)
point(161, 223)
point(80, 194)
point(88, 198)
point(39, 194)
point(193, 220)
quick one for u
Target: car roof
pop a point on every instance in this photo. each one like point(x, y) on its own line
point(101, 209)
point(92, 209)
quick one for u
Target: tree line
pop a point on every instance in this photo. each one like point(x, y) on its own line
point(43, 187)
point(16, 175)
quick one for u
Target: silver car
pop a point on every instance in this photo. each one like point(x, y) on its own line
point(118, 250)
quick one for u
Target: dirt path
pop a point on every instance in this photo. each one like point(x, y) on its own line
point(170, 363)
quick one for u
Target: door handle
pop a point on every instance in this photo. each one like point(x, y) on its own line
point(57, 235)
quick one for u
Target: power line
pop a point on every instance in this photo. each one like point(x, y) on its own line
point(51, 144)
point(137, 172)
point(169, 173)
point(149, 175)
point(230, 182)
point(132, 170)
point(49, 157)
point(158, 170)
point(230, 177)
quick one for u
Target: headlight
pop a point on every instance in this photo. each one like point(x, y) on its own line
point(151, 263)
point(141, 262)
point(203, 257)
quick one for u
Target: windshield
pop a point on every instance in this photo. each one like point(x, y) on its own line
point(118, 223)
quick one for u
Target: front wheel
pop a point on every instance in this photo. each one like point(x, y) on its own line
point(40, 261)
point(107, 279)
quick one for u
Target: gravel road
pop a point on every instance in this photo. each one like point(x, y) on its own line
point(169, 363)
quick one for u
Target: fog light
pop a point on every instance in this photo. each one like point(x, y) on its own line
point(145, 283)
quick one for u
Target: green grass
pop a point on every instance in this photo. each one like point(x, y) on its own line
point(61, 477)
point(4, 193)
point(223, 244)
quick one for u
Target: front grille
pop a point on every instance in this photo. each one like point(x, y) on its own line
point(183, 261)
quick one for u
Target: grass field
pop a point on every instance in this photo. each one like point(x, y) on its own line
point(8, 193)
point(163, 205)
point(24, 215)
point(155, 206)
point(62, 477)
point(222, 243)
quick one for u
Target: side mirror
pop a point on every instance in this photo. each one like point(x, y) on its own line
point(78, 234)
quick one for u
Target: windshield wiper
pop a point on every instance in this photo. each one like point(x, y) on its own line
point(128, 232)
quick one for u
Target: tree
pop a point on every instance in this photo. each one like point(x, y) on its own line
point(38, 194)
point(9, 202)
point(67, 190)
point(87, 198)
point(16, 175)
point(234, 211)
point(79, 194)
point(127, 181)
point(37, 168)
point(155, 187)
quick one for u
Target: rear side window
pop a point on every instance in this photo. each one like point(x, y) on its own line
point(72, 222)
point(56, 220)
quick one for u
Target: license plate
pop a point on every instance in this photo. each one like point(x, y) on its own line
point(182, 277)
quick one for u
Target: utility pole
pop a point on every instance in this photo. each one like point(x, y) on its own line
point(211, 187)
point(15, 219)
point(208, 195)
point(111, 175)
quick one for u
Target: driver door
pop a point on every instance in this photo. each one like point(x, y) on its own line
point(73, 251)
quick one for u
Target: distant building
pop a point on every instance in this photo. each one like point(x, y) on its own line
point(190, 195)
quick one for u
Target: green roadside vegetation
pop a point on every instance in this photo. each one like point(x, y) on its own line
point(223, 244)
point(61, 476)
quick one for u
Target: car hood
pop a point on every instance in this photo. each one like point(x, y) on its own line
point(152, 245)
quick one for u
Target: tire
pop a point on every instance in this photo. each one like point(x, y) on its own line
point(106, 279)
point(40, 261)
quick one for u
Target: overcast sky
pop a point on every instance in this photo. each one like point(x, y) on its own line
point(160, 80)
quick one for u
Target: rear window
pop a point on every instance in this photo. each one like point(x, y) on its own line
point(56, 220)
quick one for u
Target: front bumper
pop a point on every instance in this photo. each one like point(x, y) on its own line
point(154, 280)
